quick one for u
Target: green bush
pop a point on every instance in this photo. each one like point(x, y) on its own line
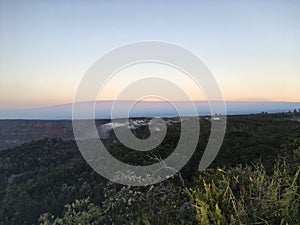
point(248, 195)
point(80, 212)
point(239, 195)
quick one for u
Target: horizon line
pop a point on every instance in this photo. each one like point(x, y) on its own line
point(153, 101)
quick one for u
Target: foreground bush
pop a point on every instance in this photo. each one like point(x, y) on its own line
point(239, 195)
point(248, 196)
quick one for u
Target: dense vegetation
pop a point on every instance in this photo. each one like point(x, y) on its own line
point(253, 180)
point(239, 195)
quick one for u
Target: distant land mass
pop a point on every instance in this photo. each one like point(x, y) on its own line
point(144, 109)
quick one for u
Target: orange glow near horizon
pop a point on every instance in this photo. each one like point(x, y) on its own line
point(235, 91)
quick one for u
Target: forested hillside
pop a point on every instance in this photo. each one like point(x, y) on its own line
point(253, 180)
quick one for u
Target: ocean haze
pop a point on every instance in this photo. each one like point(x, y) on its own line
point(145, 109)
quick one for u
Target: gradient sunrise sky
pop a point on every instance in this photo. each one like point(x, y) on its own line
point(251, 47)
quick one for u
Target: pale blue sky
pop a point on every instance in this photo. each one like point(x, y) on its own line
point(252, 47)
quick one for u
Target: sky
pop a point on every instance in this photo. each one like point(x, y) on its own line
point(251, 47)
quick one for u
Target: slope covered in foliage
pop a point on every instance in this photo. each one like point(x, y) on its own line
point(48, 180)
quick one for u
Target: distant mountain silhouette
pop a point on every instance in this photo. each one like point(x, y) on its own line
point(145, 109)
